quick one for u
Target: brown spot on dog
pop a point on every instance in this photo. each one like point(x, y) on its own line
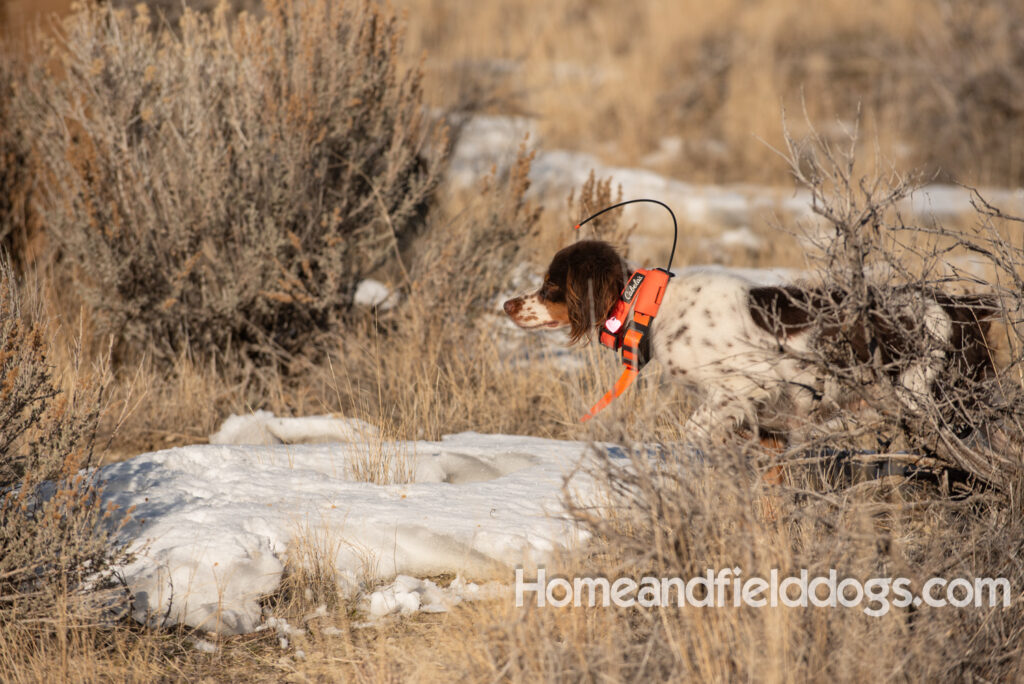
point(513, 306)
point(782, 311)
point(558, 311)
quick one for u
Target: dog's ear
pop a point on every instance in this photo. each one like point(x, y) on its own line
point(592, 288)
point(578, 302)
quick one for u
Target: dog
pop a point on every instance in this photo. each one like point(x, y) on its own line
point(754, 353)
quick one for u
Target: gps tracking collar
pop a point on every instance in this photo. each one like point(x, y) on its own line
point(642, 296)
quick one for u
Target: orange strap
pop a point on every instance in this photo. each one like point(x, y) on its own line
point(624, 381)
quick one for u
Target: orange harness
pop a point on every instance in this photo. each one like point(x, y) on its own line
point(642, 293)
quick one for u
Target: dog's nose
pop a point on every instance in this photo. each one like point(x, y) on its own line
point(512, 306)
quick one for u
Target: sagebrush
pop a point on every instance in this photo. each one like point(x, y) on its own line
point(56, 536)
point(906, 384)
point(221, 189)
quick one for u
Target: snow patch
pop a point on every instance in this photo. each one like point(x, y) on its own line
point(281, 626)
point(758, 276)
point(204, 646)
point(263, 427)
point(406, 595)
point(212, 524)
point(409, 595)
point(741, 237)
point(372, 293)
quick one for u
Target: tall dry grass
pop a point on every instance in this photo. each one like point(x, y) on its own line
point(678, 519)
point(689, 88)
point(623, 82)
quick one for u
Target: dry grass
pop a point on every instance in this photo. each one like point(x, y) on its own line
point(613, 80)
point(619, 81)
point(623, 81)
point(678, 525)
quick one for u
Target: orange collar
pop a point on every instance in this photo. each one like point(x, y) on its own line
point(642, 295)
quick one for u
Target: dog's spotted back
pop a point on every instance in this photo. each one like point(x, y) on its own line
point(755, 353)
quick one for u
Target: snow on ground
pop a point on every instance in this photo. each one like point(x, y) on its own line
point(373, 293)
point(487, 141)
point(263, 427)
point(742, 237)
point(409, 595)
point(215, 523)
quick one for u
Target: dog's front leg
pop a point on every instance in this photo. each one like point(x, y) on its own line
point(698, 426)
point(717, 416)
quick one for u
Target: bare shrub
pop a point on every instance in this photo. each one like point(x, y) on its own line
point(55, 534)
point(594, 195)
point(904, 341)
point(170, 13)
point(224, 189)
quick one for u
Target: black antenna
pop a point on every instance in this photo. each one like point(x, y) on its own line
point(675, 224)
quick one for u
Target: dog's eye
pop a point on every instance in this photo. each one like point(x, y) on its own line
point(551, 292)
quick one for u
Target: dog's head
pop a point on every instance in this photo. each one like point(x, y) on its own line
point(580, 288)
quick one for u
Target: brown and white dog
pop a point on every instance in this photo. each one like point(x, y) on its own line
point(751, 351)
